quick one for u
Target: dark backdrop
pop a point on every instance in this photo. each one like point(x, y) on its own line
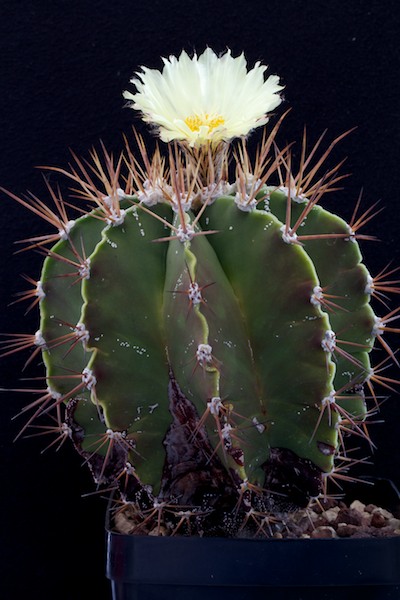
point(63, 67)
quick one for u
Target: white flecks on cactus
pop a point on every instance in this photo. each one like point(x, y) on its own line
point(329, 341)
point(266, 204)
point(123, 343)
point(204, 354)
point(228, 343)
point(205, 98)
point(138, 349)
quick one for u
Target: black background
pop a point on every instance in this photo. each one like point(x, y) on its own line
point(63, 67)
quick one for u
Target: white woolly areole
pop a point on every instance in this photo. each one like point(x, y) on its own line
point(115, 217)
point(115, 435)
point(194, 293)
point(352, 236)
point(328, 400)
point(370, 374)
point(110, 201)
point(296, 197)
point(66, 430)
point(39, 339)
point(226, 432)
point(316, 296)
point(259, 426)
point(329, 341)
point(81, 333)
point(153, 192)
point(129, 469)
point(55, 395)
point(204, 353)
point(214, 406)
point(339, 421)
point(183, 201)
point(288, 236)
point(88, 378)
point(185, 235)
point(64, 231)
point(244, 203)
point(214, 190)
point(39, 292)
point(245, 198)
point(205, 97)
point(379, 326)
point(244, 486)
point(369, 286)
point(84, 269)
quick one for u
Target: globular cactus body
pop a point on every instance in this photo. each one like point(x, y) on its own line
point(234, 316)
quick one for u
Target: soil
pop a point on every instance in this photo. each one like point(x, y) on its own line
point(334, 519)
point(329, 518)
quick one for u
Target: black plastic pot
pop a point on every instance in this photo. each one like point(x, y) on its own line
point(184, 568)
point(173, 568)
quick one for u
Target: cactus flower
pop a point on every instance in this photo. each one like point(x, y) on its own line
point(205, 98)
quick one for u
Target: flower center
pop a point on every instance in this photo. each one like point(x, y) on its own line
point(194, 122)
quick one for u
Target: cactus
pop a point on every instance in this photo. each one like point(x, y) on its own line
point(207, 344)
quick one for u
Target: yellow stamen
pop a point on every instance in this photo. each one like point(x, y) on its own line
point(194, 122)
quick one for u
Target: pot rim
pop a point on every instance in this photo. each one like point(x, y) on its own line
point(253, 562)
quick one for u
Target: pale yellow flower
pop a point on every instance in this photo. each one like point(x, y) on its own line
point(205, 98)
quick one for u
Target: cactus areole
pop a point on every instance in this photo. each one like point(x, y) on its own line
point(205, 325)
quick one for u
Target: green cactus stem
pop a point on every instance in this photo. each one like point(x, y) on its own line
point(206, 343)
